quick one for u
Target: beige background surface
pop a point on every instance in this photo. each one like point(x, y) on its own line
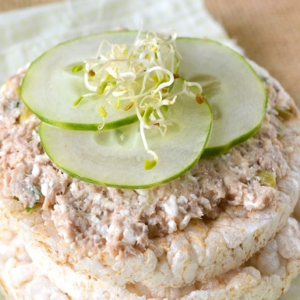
point(6, 5)
point(268, 30)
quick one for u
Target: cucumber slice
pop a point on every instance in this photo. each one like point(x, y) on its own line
point(232, 88)
point(49, 88)
point(116, 157)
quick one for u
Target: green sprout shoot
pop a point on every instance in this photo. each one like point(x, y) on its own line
point(78, 101)
point(77, 68)
point(102, 112)
point(140, 75)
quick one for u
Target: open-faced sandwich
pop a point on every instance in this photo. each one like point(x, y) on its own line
point(149, 167)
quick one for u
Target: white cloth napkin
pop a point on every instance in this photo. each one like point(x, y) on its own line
point(26, 33)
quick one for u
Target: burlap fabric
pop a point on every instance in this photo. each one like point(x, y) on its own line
point(6, 5)
point(268, 30)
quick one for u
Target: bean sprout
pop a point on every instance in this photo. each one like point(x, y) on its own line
point(142, 73)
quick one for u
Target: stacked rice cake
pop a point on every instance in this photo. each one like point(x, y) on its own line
point(228, 229)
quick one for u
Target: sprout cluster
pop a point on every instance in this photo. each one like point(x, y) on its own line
point(140, 77)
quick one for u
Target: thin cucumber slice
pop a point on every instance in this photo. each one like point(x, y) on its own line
point(233, 89)
point(49, 88)
point(116, 157)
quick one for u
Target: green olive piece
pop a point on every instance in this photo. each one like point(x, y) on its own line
point(267, 178)
point(284, 114)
